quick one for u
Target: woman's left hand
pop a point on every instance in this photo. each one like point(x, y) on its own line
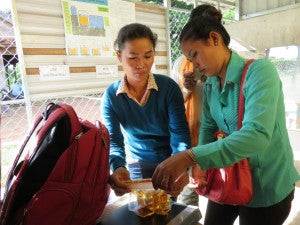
point(198, 177)
point(189, 81)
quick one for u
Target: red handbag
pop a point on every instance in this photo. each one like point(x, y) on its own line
point(233, 184)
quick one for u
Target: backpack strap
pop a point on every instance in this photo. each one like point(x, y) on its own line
point(76, 130)
point(241, 108)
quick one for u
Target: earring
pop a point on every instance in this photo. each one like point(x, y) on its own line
point(216, 43)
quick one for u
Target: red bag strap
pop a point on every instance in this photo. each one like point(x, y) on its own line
point(76, 130)
point(241, 108)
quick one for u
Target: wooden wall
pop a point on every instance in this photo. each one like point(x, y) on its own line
point(41, 41)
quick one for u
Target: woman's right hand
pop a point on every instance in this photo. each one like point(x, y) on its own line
point(117, 179)
point(169, 174)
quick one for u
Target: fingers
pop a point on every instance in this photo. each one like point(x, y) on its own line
point(174, 193)
point(162, 179)
point(171, 175)
point(163, 182)
point(119, 190)
point(188, 75)
point(116, 181)
point(168, 173)
point(197, 172)
point(198, 177)
point(120, 187)
point(158, 179)
point(175, 188)
point(198, 183)
point(172, 186)
point(189, 83)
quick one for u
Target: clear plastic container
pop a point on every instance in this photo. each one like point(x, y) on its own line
point(145, 201)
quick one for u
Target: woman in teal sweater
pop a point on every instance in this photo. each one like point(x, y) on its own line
point(263, 137)
point(143, 112)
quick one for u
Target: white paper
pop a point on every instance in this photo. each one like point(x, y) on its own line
point(54, 72)
point(106, 71)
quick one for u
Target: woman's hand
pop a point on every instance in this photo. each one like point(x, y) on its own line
point(181, 182)
point(117, 183)
point(189, 81)
point(170, 175)
point(198, 177)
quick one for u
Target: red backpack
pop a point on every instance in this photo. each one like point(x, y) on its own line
point(64, 179)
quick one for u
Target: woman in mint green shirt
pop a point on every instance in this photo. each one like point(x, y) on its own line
point(263, 137)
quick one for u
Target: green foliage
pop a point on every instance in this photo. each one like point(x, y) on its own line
point(181, 5)
point(13, 75)
point(153, 2)
point(228, 16)
point(174, 3)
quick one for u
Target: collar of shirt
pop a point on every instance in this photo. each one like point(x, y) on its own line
point(123, 88)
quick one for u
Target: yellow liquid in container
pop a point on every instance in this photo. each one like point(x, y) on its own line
point(146, 201)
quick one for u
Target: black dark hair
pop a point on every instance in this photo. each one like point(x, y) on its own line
point(134, 31)
point(200, 26)
point(200, 10)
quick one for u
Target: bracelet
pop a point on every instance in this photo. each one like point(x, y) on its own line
point(191, 155)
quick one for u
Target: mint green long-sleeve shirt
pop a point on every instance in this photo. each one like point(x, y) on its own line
point(263, 137)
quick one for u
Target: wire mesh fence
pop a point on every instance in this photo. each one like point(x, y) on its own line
point(177, 20)
point(18, 114)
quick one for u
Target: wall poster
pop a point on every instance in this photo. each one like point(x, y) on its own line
point(91, 26)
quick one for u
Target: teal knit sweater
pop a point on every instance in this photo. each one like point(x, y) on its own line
point(150, 133)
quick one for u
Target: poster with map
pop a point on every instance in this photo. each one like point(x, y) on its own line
point(91, 26)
